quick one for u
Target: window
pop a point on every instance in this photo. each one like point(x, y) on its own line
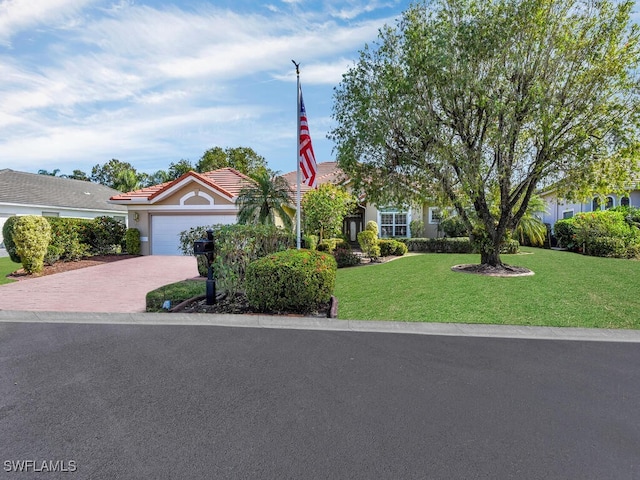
point(595, 204)
point(567, 214)
point(435, 215)
point(624, 201)
point(609, 203)
point(393, 224)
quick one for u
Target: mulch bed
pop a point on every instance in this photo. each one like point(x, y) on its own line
point(238, 304)
point(488, 270)
point(60, 267)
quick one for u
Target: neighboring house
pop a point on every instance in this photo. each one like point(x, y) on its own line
point(162, 211)
point(392, 221)
point(559, 208)
point(24, 193)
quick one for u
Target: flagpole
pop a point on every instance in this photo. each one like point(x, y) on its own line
point(298, 156)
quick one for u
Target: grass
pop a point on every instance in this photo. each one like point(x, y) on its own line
point(175, 293)
point(7, 267)
point(567, 290)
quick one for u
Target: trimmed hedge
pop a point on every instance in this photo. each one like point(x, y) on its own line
point(132, 242)
point(66, 240)
point(31, 235)
point(330, 244)
point(368, 241)
point(389, 247)
point(7, 235)
point(235, 246)
point(439, 245)
point(297, 281)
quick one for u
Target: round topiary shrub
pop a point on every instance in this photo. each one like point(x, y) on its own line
point(31, 234)
point(7, 238)
point(298, 281)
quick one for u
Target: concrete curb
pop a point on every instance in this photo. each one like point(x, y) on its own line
point(326, 324)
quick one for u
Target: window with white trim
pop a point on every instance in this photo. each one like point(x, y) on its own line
point(435, 215)
point(624, 201)
point(567, 214)
point(393, 223)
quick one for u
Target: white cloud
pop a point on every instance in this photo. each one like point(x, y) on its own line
point(18, 15)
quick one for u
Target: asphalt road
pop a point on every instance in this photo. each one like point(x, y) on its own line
point(125, 401)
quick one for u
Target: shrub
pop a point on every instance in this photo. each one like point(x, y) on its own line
point(417, 228)
point(390, 247)
point(104, 235)
point(66, 240)
point(372, 227)
point(235, 246)
point(31, 235)
point(606, 247)
point(330, 244)
point(132, 241)
point(346, 258)
point(510, 246)
point(565, 233)
point(439, 245)
point(454, 227)
point(7, 235)
point(291, 281)
point(310, 242)
point(368, 241)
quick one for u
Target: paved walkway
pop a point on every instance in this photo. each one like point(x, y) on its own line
point(119, 287)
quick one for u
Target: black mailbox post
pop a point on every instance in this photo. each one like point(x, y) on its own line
point(205, 247)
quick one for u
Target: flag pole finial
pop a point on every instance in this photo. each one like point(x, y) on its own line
point(297, 67)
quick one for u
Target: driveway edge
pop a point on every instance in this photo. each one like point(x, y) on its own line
point(322, 324)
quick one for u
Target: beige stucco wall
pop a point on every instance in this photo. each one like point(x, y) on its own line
point(174, 199)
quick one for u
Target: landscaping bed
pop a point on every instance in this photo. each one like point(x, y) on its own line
point(60, 267)
point(238, 304)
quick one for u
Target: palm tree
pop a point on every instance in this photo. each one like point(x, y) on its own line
point(530, 226)
point(260, 203)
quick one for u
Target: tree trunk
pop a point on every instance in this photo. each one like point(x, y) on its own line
point(491, 258)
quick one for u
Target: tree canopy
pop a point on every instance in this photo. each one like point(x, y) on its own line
point(261, 202)
point(479, 102)
point(324, 208)
point(243, 159)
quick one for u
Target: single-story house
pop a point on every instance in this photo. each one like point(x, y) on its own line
point(393, 221)
point(24, 193)
point(161, 212)
point(559, 208)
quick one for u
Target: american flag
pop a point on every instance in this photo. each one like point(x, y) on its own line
point(307, 158)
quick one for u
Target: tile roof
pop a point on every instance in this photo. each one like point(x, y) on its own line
point(24, 188)
point(328, 172)
point(227, 181)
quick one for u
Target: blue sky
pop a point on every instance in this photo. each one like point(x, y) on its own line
point(151, 82)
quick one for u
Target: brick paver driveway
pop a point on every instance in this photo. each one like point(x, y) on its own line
point(112, 287)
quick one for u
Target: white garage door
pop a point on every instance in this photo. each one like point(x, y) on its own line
point(2, 220)
point(165, 230)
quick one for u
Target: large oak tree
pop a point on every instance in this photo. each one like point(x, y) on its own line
point(480, 102)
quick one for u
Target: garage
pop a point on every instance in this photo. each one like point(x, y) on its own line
point(165, 230)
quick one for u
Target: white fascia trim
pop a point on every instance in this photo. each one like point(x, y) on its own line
point(205, 195)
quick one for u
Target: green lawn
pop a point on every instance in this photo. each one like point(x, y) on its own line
point(567, 290)
point(7, 267)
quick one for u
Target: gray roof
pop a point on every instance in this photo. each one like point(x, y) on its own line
point(45, 190)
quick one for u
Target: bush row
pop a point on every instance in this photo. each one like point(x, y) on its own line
point(606, 233)
point(68, 239)
point(235, 247)
point(453, 245)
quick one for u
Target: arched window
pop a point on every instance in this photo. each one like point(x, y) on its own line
point(609, 203)
point(595, 205)
point(624, 201)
